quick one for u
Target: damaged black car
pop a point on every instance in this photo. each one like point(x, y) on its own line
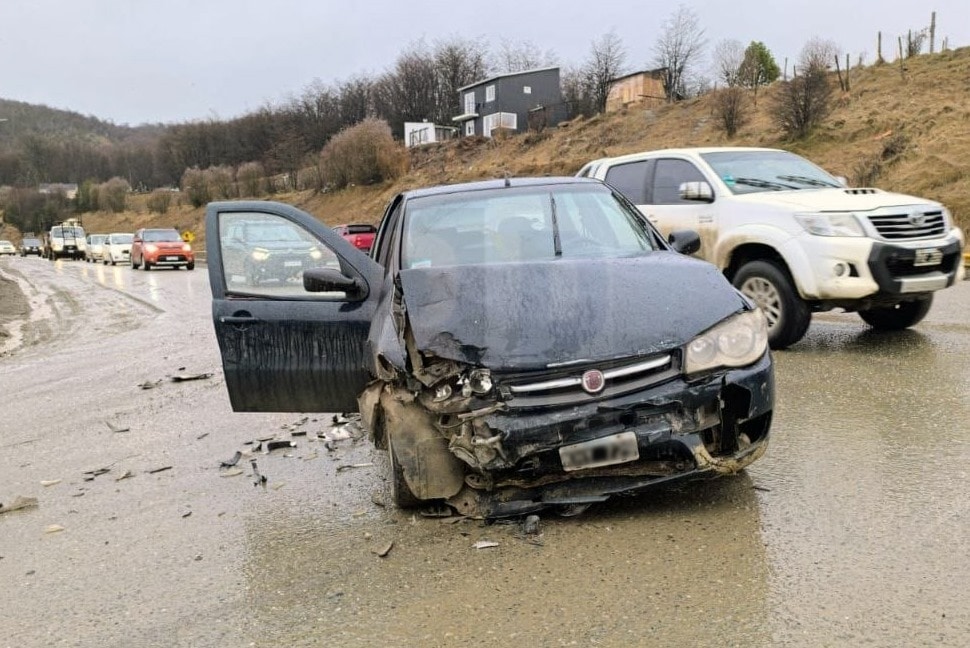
point(513, 344)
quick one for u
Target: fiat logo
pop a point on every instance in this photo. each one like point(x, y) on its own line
point(594, 381)
point(917, 219)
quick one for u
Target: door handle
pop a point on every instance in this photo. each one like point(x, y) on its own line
point(238, 319)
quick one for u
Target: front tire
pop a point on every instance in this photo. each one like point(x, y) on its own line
point(771, 289)
point(898, 316)
point(190, 266)
point(134, 266)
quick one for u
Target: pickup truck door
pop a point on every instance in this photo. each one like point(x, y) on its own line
point(284, 348)
point(666, 209)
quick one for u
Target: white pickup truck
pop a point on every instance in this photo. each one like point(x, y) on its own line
point(793, 238)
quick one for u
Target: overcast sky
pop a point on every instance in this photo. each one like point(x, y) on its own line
point(138, 61)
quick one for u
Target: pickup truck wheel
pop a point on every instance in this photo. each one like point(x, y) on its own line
point(770, 287)
point(898, 316)
point(401, 493)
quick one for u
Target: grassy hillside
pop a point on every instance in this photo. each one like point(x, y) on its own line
point(912, 127)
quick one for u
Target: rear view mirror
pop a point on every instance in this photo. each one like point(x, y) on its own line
point(332, 280)
point(684, 241)
point(696, 191)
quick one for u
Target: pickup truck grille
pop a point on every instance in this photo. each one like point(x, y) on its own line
point(564, 386)
point(914, 225)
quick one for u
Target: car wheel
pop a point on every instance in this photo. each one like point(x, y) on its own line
point(146, 265)
point(401, 493)
point(771, 289)
point(190, 266)
point(134, 266)
point(898, 316)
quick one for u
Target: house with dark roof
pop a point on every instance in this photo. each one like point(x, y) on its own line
point(512, 102)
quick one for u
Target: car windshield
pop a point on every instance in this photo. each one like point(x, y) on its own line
point(67, 232)
point(753, 171)
point(31, 241)
point(161, 236)
point(541, 222)
point(119, 239)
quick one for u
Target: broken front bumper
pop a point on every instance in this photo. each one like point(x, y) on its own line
point(522, 461)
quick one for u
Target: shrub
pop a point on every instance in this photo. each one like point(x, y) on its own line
point(251, 179)
point(729, 109)
point(113, 194)
point(160, 201)
point(194, 185)
point(802, 103)
point(362, 154)
point(219, 181)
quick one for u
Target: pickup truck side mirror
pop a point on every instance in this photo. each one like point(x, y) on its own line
point(332, 280)
point(696, 191)
point(684, 241)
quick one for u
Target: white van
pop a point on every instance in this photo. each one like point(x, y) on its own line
point(793, 238)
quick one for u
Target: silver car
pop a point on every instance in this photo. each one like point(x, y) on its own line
point(117, 248)
point(95, 248)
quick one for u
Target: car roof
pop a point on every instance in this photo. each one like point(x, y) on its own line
point(690, 150)
point(440, 190)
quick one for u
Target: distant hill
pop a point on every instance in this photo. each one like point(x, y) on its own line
point(23, 119)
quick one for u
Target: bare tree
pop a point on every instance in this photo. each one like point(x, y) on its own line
point(730, 109)
point(458, 62)
point(817, 53)
point(802, 103)
point(523, 55)
point(728, 59)
point(680, 44)
point(606, 62)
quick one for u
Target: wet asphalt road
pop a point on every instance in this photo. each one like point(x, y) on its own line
point(851, 531)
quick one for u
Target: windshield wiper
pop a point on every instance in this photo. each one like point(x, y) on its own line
point(814, 182)
point(764, 184)
point(556, 241)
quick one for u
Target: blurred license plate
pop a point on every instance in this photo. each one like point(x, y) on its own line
point(605, 451)
point(928, 257)
point(292, 264)
point(171, 258)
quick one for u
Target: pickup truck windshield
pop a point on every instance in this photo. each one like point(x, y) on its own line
point(754, 171)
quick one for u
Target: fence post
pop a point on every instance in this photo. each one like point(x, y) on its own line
point(932, 30)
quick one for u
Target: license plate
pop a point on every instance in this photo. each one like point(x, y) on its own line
point(292, 264)
point(171, 258)
point(605, 451)
point(928, 257)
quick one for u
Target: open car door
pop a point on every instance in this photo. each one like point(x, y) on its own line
point(292, 304)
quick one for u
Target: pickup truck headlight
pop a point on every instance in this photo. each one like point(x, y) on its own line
point(259, 254)
point(834, 224)
point(736, 342)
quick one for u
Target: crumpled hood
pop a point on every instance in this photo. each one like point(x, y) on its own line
point(837, 200)
point(518, 316)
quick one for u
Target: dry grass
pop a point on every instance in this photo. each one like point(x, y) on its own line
point(915, 126)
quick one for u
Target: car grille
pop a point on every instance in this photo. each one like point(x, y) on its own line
point(901, 227)
point(564, 386)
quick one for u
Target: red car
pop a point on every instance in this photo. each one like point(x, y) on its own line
point(160, 247)
point(360, 236)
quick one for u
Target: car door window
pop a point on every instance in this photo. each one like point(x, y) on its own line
point(266, 255)
point(630, 179)
point(669, 175)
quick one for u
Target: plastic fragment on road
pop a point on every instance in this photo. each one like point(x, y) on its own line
point(258, 479)
point(344, 467)
point(126, 475)
point(114, 428)
point(231, 462)
point(49, 482)
point(150, 384)
point(384, 549)
point(276, 445)
point(484, 544)
point(54, 528)
point(235, 472)
point(188, 377)
point(159, 469)
point(19, 502)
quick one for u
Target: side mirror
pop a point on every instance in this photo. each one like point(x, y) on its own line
point(332, 280)
point(684, 241)
point(696, 191)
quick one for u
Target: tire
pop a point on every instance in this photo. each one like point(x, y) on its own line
point(898, 316)
point(770, 288)
point(190, 266)
point(146, 266)
point(401, 493)
point(134, 266)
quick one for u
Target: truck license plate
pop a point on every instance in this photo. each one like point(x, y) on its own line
point(928, 257)
point(292, 264)
point(605, 451)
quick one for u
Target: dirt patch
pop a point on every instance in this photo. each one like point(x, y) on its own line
point(15, 307)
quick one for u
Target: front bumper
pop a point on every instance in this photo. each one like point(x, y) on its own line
point(169, 259)
point(716, 425)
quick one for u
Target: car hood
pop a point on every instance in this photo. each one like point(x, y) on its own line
point(837, 199)
point(520, 316)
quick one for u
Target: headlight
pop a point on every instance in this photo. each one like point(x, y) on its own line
point(315, 253)
point(737, 341)
point(151, 248)
point(260, 255)
point(835, 224)
point(186, 247)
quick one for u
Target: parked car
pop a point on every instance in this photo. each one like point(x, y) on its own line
point(6, 247)
point(65, 241)
point(794, 238)
point(513, 344)
point(361, 236)
point(95, 248)
point(31, 245)
point(117, 248)
point(267, 251)
point(152, 247)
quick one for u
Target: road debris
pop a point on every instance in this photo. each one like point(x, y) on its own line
point(150, 384)
point(531, 525)
point(344, 467)
point(188, 377)
point(49, 482)
point(258, 479)
point(276, 445)
point(377, 500)
point(235, 472)
point(114, 428)
point(310, 457)
point(484, 544)
point(54, 528)
point(19, 502)
point(186, 514)
point(202, 436)
point(384, 549)
point(231, 462)
point(159, 469)
point(126, 475)
point(278, 485)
